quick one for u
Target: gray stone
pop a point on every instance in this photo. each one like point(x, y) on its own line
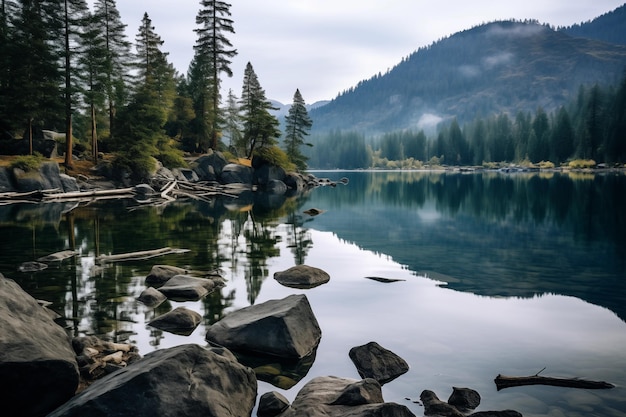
point(68, 183)
point(286, 328)
point(160, 274)
point(374, 361)
point(6, 180)
point(302, 277)
point(188, 288)
point(266, 173)
point(318, 398)
point(209, 167)
point(502, 413)
point(38, 370)
point(272, 404)
point(151, 297)
point(366, 391)
point(433, 406)
point(464, 398)
point(32, 266)
point(181, 321)
point(235, 173)
point(185, 174)
point(186, 380)
point(276, 187)
point(295, 181)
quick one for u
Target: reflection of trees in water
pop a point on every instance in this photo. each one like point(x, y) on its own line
point(298, 238)
point(261, 242)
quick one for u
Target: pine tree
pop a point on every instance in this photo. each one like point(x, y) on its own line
point(7, 9)
point(74, 23)
point(260, 127)
point(297, 127)
point(92, 65)
point(117, 56)
point(35, 77)
point(232, 121)
point(213, 52)
point(142, 121)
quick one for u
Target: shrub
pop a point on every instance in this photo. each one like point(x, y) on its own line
point(28, 162)
point(276, 156)
point(582, 163)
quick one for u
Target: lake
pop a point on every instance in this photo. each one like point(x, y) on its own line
point(496, 274)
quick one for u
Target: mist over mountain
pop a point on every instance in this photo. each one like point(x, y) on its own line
point(504, 66)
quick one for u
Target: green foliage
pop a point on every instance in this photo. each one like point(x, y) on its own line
point(582, 164)
point(297, 126)
point(28, 163)
point(275, 156)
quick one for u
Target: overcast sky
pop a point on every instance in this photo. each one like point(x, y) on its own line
point(324, 47)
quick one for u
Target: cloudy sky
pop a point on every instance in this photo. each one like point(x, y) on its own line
point(323, 47)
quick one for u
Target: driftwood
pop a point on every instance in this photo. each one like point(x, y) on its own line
point(503, 381)
point(141, 255)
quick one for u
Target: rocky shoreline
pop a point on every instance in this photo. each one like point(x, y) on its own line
point(45, 372)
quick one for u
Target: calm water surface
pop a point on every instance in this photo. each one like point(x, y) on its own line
point(499, 274)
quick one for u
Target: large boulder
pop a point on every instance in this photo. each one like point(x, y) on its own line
point(186, 380)
point(38, 370)
point(302, 277)
point(160, 274)
point(266, 173)
point(48, 177)
point(339, 397)
point(6, 182)
point(209, 167)
point(236, 174)
point(374, 361)
point(465, 399)
point(286, 328)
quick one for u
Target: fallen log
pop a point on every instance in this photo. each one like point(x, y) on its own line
point(140, 255)
point(503, 381)
point(78, 195)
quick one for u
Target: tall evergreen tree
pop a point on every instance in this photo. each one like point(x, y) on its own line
point(7, 9)
point(93, 65)
point(35, 76)
point(75, 14)
point(297, 127)
point(118, 56)
point(232, 121)
point(260, 127)
point(213, 54)
point(142, 121)
point(562, 141)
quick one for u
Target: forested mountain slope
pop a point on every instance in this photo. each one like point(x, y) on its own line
point(492, 68)
point(610, 27)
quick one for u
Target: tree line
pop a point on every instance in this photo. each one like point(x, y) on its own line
point(68, 68)
point(592, 127)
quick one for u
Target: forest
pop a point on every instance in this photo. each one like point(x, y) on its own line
point(588, 131)
point(66, 68)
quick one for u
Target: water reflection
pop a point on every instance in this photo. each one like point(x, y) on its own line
point(517, 254)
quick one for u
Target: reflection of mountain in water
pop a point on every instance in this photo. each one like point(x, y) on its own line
point(512, 236)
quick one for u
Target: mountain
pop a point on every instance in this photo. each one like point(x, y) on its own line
point(282, 109)
point(608, 28)
point(504, 66)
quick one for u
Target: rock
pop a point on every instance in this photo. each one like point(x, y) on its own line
point(295, 181)
point(151, 297)
point(188, 288)
point(160, 274)
point(276, 187)
point(186, 380)
point(464, 399)
point(265, 173)
point(143, 190)
point(366, 391)
point(38, 370)
point(319, 396)
point(503, 413)
point(68, 183)
point(313, 211)
point(6, 183)
point(302, 277)
point(185, 174)
point(32, 266)
point(209, 167)
point(272, 404)
point(286, 328)
point(181, 321)
point(374, 361)
point(235, 173)
point(433, 406)
point(282, 373)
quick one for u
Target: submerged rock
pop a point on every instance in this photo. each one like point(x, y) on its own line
point(181, 321)
point(151, 297)
point(302, 277)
